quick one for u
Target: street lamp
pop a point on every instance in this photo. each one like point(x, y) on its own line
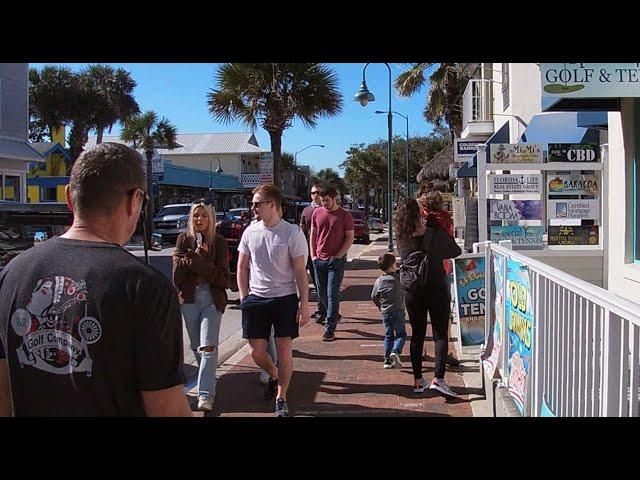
point(218, 170)
point(295, 159)
point(364, 96)
point(407, 119)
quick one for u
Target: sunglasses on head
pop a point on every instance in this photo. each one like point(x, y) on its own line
point(202, 201)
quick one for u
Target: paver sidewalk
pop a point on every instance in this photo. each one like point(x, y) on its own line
point(344, 377)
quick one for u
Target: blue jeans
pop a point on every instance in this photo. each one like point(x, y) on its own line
point(395, 333)
point(203, 320)
point(329, 274)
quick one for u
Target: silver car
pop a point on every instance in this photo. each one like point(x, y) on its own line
point(172, 220)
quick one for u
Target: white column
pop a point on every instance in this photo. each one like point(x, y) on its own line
point(482, 193)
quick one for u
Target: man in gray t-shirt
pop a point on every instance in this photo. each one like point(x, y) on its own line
point(271, 267)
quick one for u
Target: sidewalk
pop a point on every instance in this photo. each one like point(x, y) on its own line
point(344, 377)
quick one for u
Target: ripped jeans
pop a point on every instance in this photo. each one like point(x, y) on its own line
point(203, 320)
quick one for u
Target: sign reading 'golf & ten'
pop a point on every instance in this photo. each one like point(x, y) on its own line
point(590, 80)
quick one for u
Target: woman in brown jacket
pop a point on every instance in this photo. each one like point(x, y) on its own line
point(201, 275)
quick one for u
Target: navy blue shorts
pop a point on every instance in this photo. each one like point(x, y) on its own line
point(259, 314)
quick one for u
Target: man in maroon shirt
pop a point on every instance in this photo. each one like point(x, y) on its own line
point(331, 237)
point(305, 224)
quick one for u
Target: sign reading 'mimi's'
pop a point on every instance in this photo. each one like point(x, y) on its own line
point(515, 153)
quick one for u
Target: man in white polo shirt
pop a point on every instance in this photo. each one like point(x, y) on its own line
point(271, 266)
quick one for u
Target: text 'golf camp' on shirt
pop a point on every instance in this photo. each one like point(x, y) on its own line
point(272, 250)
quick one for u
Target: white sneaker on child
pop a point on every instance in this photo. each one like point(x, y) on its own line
point(396, 359)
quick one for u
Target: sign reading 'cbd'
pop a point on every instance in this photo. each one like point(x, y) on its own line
point(573, 152)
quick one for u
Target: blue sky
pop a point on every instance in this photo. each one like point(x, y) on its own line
point(178, 92)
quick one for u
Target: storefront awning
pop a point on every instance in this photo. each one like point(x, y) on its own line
point(554, 104)
point(501, 136)
point(558, 127)
point(190, 177)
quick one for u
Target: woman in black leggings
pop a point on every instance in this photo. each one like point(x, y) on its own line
point(433, 298)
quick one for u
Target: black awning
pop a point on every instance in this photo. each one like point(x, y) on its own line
point(580, 104)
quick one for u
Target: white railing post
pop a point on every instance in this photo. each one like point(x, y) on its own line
point(611, 373)
point(482, 192)
point(538, 352)
point(604, 217)
point(488, 287)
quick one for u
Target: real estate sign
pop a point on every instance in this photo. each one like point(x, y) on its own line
point(465, 148)
point(511, 183)
point(574, 209)
point(590, 80)
point(470, 294)
point(520, 323)
point(515, 153)
point(574, 235)
point(515, 210)
point(573, 184)
point(573, 152)
point(520, 236)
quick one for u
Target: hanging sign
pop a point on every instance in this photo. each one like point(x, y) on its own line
point(515, 209)
point(573, 184)
point(515, 153)
point(512, 183)
point(573, 152)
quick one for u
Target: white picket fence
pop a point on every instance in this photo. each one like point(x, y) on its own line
point(585, 359)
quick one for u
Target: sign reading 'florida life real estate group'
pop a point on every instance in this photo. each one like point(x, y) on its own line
point(573, 152)
point(515, 209)
point(590, 80)
point(512, 183)
point(573, 184)
point(515, 153)
point(522, 237)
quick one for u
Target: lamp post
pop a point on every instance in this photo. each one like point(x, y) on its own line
point(364, 96)
point(295, 159)
point(407, 119)
point(218, 170)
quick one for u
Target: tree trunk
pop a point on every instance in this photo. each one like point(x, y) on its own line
point(150, 205)
point(100, 132)
point(276, 148)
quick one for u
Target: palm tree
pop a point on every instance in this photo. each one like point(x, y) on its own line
point(51, 95)
point(273, 95)
point(114, 91)
point(147, 132)
point(447, 84)
point(328, 176)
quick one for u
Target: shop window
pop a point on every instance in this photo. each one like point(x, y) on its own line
point(10, 188)
point(48, 194)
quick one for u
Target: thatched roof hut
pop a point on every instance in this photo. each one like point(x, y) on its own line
point(438, 166)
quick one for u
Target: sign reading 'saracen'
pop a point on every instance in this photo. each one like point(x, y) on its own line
point(573, 152)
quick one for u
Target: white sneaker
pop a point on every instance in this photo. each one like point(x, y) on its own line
point(422, 386)
point(396, 359)
point(205, 404)
point(264, 377)
point(440, 385)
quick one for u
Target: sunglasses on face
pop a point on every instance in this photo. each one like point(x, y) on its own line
point(317, 192)
point(257, 204)
point(145, 197)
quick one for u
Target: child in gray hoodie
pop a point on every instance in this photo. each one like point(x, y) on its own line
point(388, 295)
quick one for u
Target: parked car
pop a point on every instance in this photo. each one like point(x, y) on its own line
point(172, 220)
point(22, 225)
point(361, 227)
point(237, 213)
point(376, 224)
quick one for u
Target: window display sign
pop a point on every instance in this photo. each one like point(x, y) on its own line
point(573, 152)
point(515, 209)
point(573, 184)
point(520, 236)
point(574, 209)
point(512, 183)
point(573, 235)
point(515, 153)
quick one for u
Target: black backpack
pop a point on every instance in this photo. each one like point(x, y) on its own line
point(414, 268)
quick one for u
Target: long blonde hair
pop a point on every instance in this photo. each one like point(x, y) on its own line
point(210, 234)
